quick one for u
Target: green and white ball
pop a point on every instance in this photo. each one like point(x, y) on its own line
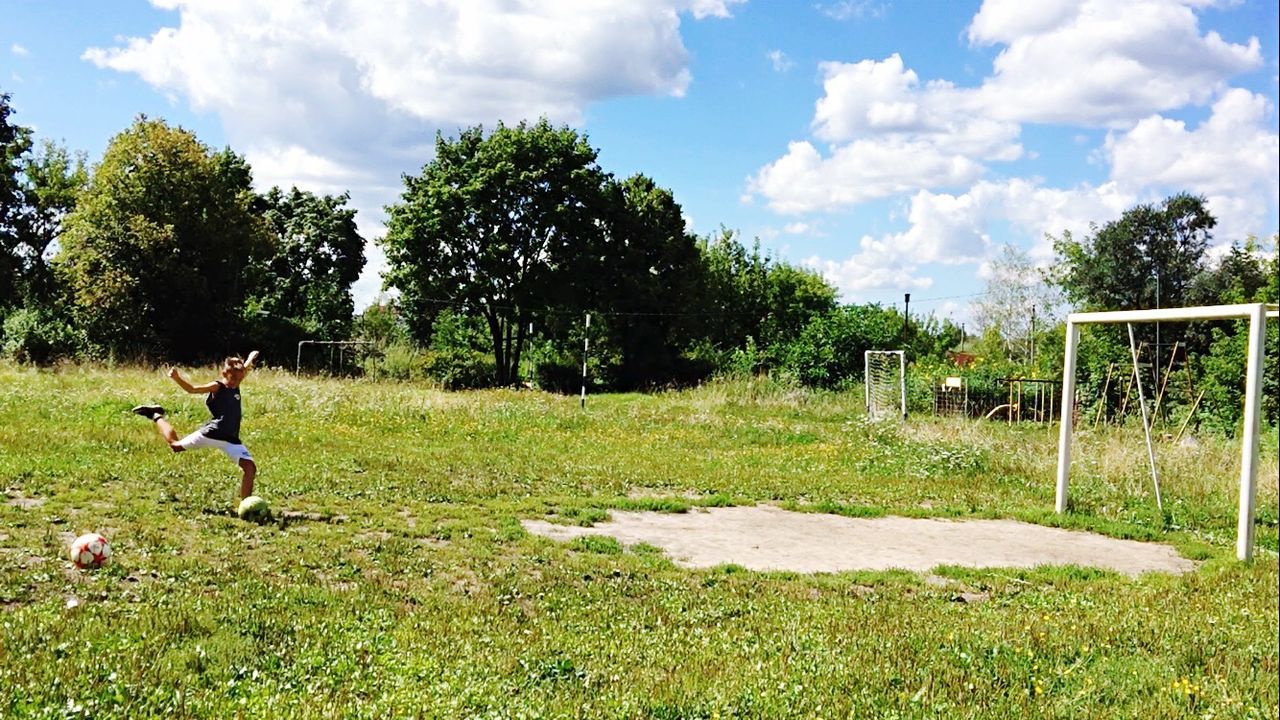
point(253, 509)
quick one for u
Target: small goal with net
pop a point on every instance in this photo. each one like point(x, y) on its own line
point(886, 384)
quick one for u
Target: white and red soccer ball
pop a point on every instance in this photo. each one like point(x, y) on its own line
point(90, 551)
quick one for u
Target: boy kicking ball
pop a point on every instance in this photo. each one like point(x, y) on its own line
point(223, 430)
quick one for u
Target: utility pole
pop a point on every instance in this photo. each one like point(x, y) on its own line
point(906, 317)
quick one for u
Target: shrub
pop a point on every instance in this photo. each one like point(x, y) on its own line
point(398, 361)
point(461, 368)
point(39, 336)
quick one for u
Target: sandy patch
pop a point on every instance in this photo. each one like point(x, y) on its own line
point(19, 500)
point(769, 538)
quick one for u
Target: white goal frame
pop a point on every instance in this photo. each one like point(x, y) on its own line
point(1256, 314)
point(902, 379)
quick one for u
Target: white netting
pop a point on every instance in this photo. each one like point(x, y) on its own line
point(885, 384)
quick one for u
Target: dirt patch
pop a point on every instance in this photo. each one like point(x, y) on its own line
point(649, 493)
point(17, 499)
point(769, 538)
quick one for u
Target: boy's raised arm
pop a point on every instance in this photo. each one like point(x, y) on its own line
point(182, 383)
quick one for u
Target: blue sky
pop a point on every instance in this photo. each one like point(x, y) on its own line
point(892, 146)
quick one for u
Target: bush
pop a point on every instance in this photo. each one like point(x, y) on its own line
point(558, 376)
point(39, 336)
point(398, 361)
point(461, 368)
point(829, 351)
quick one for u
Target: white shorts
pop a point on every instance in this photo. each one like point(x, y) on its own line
point(232, 450)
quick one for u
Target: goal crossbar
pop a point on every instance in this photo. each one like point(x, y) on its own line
point(1256, 314)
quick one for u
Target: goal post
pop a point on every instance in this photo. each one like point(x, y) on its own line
point(885, 383)
point(1256, 314)
point(339, 344)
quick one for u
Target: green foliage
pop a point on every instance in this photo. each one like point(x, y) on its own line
point(15, 142)
point(750, 295)
point(1244, 275)
point(830, 349)
point(54, 180)
point(154, 254)
point(828, 352)
point(397, 361)
point(381, 324)
point(459, 357)
point(305, 283)
point(39, 335)
point(646, 275)
point(491, 225)
point(1146, 259)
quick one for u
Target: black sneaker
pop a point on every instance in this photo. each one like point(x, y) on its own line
point(150, 412)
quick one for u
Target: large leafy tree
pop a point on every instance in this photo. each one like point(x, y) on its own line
point(495, 225)
point(154, 255)
point(1146, 259)
point(317, 253)
point(15, 143)
point(648, 279)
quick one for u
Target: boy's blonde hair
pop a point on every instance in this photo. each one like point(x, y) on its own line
point(233, 362)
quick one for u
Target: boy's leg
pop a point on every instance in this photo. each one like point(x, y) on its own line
point(155, 413)
point(246, 483)
point(168, 433)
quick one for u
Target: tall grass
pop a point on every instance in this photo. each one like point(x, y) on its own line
point(413, 591)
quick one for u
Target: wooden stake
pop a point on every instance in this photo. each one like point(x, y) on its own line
point(1102, 410)
point(1155, 412)
point(1190, 415)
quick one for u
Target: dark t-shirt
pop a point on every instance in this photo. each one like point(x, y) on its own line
point(224, 405)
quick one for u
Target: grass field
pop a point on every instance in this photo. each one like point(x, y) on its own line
point(411, 589)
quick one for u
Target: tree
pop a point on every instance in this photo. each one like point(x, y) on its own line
point(1146, 259)
point(316, 255)
point(15, 143)
point(1016, 295)
point(495, 225)
point(53, 181)
point(1243, 275)
point(736, 281)
point(750, 295)
point(647, 278)
point(154, 255)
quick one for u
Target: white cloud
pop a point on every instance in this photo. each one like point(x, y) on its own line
point(1084, 62)
point(708, 8)
point(950, 229)
point(18, 50)
point(853, 9)
point(891, 136)
point(780, 61)
point(884, 98)
point(333, 95)
point(1233, 158)
point(1100, 62)
point(868, 270)
point(797, 228)
point(803, 180)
